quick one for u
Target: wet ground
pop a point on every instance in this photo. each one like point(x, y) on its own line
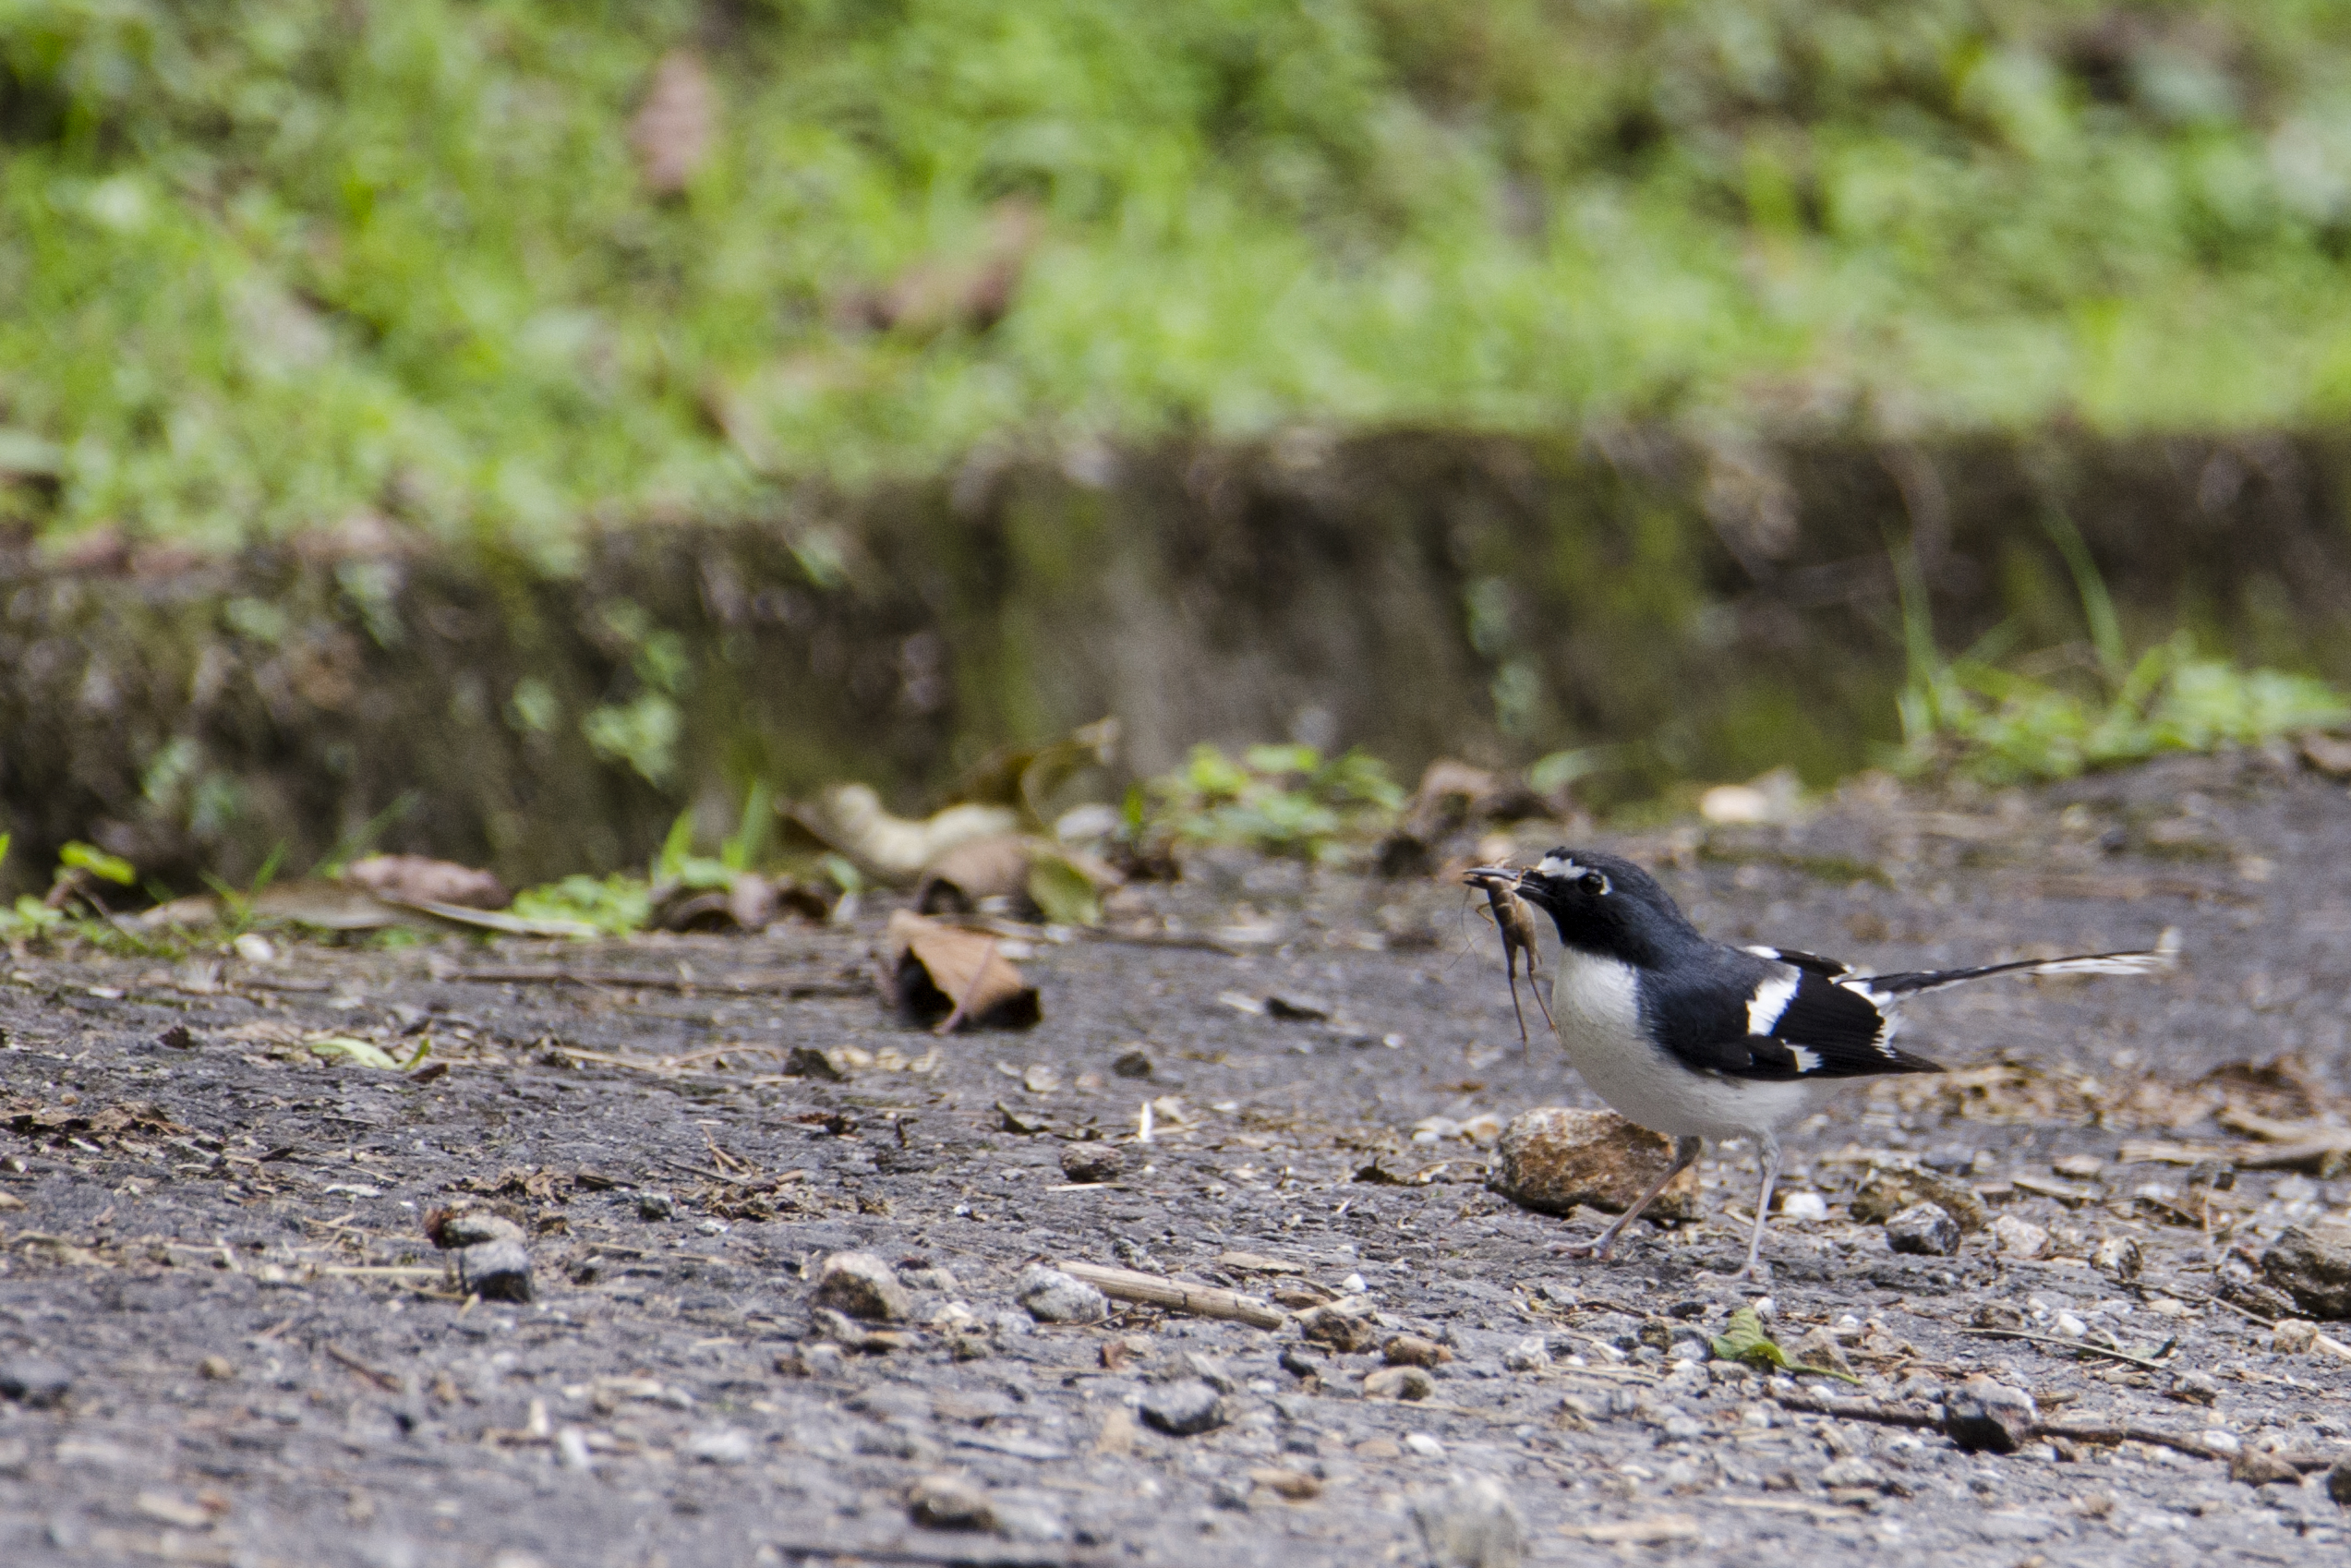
point(215, 1238)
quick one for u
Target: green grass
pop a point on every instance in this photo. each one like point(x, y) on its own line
point(272, 263)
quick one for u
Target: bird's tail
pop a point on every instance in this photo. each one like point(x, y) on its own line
point(2159, 960)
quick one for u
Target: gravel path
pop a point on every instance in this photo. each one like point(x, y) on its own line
point(225, 1338)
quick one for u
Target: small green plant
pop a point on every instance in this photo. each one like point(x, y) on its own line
point(1971, 716)
point(236, 903)
point(616, 905)
point(1282, 800)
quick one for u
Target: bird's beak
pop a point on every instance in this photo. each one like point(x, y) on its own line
point(1492, 875)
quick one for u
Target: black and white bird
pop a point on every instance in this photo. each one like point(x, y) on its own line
point(1696, 1038)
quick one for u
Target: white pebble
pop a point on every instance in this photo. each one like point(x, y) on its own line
point(2070, 1326)
point(1424, 1445)
point(1804, 1208)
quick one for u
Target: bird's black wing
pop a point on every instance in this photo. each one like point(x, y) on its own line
point(1827, 969)
point(1773, 1021)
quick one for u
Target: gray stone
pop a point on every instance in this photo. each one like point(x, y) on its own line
point(495, 1271)
point(1529, 1354)
point(1399, 1382)
point(2119, 1256)
point(1926, 1229)
point(2338, 1481)
point(1349, 1331)
point(949, 1503)
point(2314, 1270)
point(861, 1285)
point(2192, 1387)
point(1093, 1162)
point(1890, 1189)
point(1183, 1409)
point(1208, 1369)
point(656, 1206)
point(1053, 1297)
point(473, 1228)
point(30, 1381)
point(1855, 1472)
point(721, 1445)
point(1470, 1525)
point(1982, 1415)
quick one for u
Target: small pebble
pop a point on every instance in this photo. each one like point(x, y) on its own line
point(1470, 1523)
point(949, 1503)
point(1803, 1208)
point(35, 1383)
point(1529, 1354)
point(1398, 1383)
point(2192, 1387)
point(219, 1368)
point(656, 1206)
point(1926, 1229)
point(861, 1285)
point(495, 1271)
point(1052, 1297)
point(1422, 1445)
point(720, 1445)
point(1092, 1161)
point(2019, 1237)
point(1411, 1350)
point(1983, 1416)
point(1183, 1409)
point(1855, 1472)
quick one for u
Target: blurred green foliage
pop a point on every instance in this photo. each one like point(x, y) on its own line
point(271, 262)
point(2003, 728)
point(1281, 800)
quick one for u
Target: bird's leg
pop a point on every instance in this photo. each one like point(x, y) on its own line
point(1684, 1151)
point(1770, 1149)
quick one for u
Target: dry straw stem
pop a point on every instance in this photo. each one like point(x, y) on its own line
point(1200, 1301)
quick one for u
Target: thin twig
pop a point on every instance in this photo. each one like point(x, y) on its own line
point(1206, 1301)
point(384, 1381)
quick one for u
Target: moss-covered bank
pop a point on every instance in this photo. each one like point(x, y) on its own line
point(1715, 610)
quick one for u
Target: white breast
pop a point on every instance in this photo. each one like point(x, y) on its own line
point(1596, 1003)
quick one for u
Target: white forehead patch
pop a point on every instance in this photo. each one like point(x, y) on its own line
point(1552, 865)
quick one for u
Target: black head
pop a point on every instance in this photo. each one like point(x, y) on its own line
point(1606, 905)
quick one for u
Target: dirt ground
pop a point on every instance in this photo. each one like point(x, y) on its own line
point(214, 1238)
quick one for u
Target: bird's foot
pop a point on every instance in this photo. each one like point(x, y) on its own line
point(1598, 1248)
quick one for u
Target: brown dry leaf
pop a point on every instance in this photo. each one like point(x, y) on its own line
point(951, 978)
point(532, 1181)
point(2282, 1087)
point(56, 1124)
point(675, 124)
point(984, 868)
point(420, 880)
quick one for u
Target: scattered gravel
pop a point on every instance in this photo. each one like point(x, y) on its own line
point(225, 1240)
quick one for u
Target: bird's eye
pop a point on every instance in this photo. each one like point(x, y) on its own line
point(1592, 882)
